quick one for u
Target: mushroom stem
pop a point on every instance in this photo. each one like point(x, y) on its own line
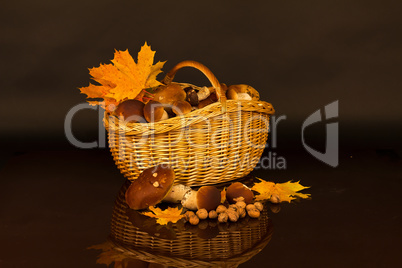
point(190, 200)
point(177, 193)
point(204, 93)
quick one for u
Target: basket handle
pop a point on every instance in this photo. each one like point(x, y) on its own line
point(207, 72)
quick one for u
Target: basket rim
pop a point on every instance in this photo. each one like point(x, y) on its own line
point(115, 124)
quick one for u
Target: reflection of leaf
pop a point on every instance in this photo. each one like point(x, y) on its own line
point(286, 191)
point(124, 79)
point(108, 254)
point(165, 216)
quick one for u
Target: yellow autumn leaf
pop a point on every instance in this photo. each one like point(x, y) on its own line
point(165, 216)
point(124, 78)
point(286, 191)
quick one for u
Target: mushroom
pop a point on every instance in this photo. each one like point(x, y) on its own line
point(131, 111)
point(241, 92)
point(238, 189)
point(167, 94)
point(208, 197)
point(191, 96)
point(181, 107)
point(211, 99)
point(154, 111)
point(151, 186)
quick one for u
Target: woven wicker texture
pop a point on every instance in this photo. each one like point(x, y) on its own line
point(218, 143)
point(237, 244)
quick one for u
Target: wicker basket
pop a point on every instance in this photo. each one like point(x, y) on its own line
point(218, 143)
point(132, 237)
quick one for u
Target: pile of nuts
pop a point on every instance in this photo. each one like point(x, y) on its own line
point(224, 214)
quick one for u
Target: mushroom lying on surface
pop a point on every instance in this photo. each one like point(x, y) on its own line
point(154, 185)
point(238, 189)
point(208, 197)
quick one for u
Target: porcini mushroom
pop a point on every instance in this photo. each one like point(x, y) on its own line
point(242, 92)
point(238, 189)
point(211, 99)
point(181, 107)
point(167, 94)
point(191, 96)
point(208, 197)
point(154, 111)
point(151, 186)
point(131, 111)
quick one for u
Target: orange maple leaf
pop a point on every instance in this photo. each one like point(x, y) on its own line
point(165, 216)
point(286, 191)
point(124, 78)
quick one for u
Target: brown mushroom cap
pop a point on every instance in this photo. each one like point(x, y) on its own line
point(208, 197)
point(153, 111)
point(238, 189)
point(167, 94)
point(181, 107)
point(131, 111)
point(151, 186)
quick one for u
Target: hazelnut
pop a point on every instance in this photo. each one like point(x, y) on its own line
point(233, 207)
point(250, 207)
point(188, 214)
point(212, 214)
point(241, 204)
point(221, 209)
point(223, 217)
point(259, 206)
point(202, 214)
point(194, 220)
point(242, 212)
point(275, 199)
point(232, 215)
point(254, 213)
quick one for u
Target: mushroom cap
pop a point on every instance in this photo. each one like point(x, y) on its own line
point(153, 111)
point(208, 197)
point(238, 189)
point(243, 88)
point(151, 186)
point(192, 97)
point(231, 94)
point(167, 94)
point(131, 111)
point(181, 107)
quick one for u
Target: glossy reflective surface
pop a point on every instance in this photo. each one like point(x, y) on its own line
point(57, 204)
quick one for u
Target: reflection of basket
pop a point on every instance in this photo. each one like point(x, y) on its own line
point(218, 143)
point(186, 246)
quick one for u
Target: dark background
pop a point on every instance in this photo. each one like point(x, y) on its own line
point(300, 56)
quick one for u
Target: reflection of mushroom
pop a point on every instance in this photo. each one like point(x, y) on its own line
point(131, 111)
point(208, 197)
point(151, 186)
point(181, 107)
point(238, 92)
point(154, 112)
point(238, 189)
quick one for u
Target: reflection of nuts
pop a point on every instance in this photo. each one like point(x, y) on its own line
point(212, 214)
point(275, 208)
point(254, 213)
point(259, 206)
point(275, 199)
point(202, 214)
point(194, 220)
point(223, 217)
point(220, 209)
point(203, 225)
point(241, 204)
